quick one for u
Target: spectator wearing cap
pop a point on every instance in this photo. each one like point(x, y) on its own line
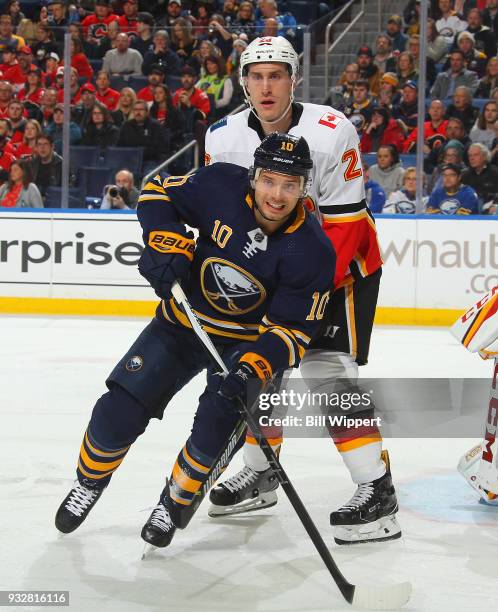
point(45, 43)
point(154, 78)
point(483, 130)
point(462, 108)
point(82, 112)
point(406, 112)
point(374, 194)
point(389, 94)
point(143, 41)
point(6, 95)
point(51, 67)
point(450, 23)
point(394, 31)
point(145, 132)
point(7, 37)
point(129, 19)
point(74, 86)
point(16, 71)
point(162, 55)
point(58, 22)
point(451, 152)
point(182, 41)
point(55, 128)
point(124, 109)
point(286, 23)
point(33, 89)
point(122, 60)
point(245, 22)
point(19, 191)
point(435, 126)
point(173, 11)
point(361, 102)
point(474, 59)
point(193, 102)
point(382, 130)
point(388, 171)
point(16, 116)
point(45, 165)
point(383, 52)
point(105, 94)
point(481, 175)
point(95, 25)
point(216, 83)
point(484, 38)
point(100, 130)
point(368, 70)
point(457, 75)
point(453, 198)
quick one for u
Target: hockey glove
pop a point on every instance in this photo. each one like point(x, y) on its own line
point(244, 373)
point(166, 258)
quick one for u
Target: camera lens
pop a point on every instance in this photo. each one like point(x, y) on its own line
point(113, 192)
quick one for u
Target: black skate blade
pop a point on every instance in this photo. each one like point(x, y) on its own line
point(367, 541)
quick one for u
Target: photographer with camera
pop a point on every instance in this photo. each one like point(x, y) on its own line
point(121, 196)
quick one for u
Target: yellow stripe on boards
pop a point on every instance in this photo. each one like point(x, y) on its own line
point(131, 308)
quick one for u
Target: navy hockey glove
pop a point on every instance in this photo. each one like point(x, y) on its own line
point(166, 258)
point(256, 373)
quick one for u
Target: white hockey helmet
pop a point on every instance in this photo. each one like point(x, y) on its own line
point(269, 49)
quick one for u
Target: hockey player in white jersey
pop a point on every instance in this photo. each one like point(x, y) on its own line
point(477, 330)
point(268, 75)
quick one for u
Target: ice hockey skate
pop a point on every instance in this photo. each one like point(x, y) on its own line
point(370, 515)
point(246, 491)
point(159, 529)
point(76, 506)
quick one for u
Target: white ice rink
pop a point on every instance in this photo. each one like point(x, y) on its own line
point(53, 370)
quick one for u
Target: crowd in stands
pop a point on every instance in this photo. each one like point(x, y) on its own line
point(379, 94)
point(145, 79)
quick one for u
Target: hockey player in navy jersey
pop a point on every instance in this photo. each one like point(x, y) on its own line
point(253, 277)
point(268, 74)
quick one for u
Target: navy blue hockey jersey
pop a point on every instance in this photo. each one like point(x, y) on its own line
point(245, 285)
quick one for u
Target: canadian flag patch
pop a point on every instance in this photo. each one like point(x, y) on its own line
point(330, 120)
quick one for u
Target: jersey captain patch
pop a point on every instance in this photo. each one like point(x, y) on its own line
point(229, 288)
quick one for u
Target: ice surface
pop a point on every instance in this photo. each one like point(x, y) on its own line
point(53, 370)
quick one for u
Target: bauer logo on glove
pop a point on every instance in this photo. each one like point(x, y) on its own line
point(169, 242)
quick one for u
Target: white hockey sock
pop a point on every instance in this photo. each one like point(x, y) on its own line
point(364, 463)
point(254, 457)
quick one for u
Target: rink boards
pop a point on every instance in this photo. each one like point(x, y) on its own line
point(79, 262)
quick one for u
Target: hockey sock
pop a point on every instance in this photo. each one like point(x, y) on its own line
point(254, 456)
point(97, 463)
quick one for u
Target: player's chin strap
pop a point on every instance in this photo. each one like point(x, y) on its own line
point(253, 110)
point(389, 597)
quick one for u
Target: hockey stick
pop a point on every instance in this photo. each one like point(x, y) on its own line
point(389, 597)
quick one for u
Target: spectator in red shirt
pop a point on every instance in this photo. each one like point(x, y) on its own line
point(6, 95)
point(25, 59)
point(188, 97)
point(436, 125)
point(128, 21)
point(155, 78)
point(95, 25)
point(32, 90)
point(382, 130)
point(6, 158)
point(11, 69)
point(74, 86)
point(47, 106)
point(79, 61)
point(15, 113)
point(26, 147)
point(107, 96)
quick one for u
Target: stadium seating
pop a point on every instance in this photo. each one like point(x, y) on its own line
point(119, 158)
point(83, 156)
point(53, 198)
point(92, 180)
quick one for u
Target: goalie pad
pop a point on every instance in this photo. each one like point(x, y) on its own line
point(477, 329)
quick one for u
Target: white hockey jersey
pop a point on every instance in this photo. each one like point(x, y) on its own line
point(337, 186)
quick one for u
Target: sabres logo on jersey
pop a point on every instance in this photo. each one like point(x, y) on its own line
point(449, 206)
point(229, 288)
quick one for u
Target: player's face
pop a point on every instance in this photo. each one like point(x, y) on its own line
point(276, 196)
point(270, 88)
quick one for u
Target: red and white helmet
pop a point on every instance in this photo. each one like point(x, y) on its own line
point(269, 49)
